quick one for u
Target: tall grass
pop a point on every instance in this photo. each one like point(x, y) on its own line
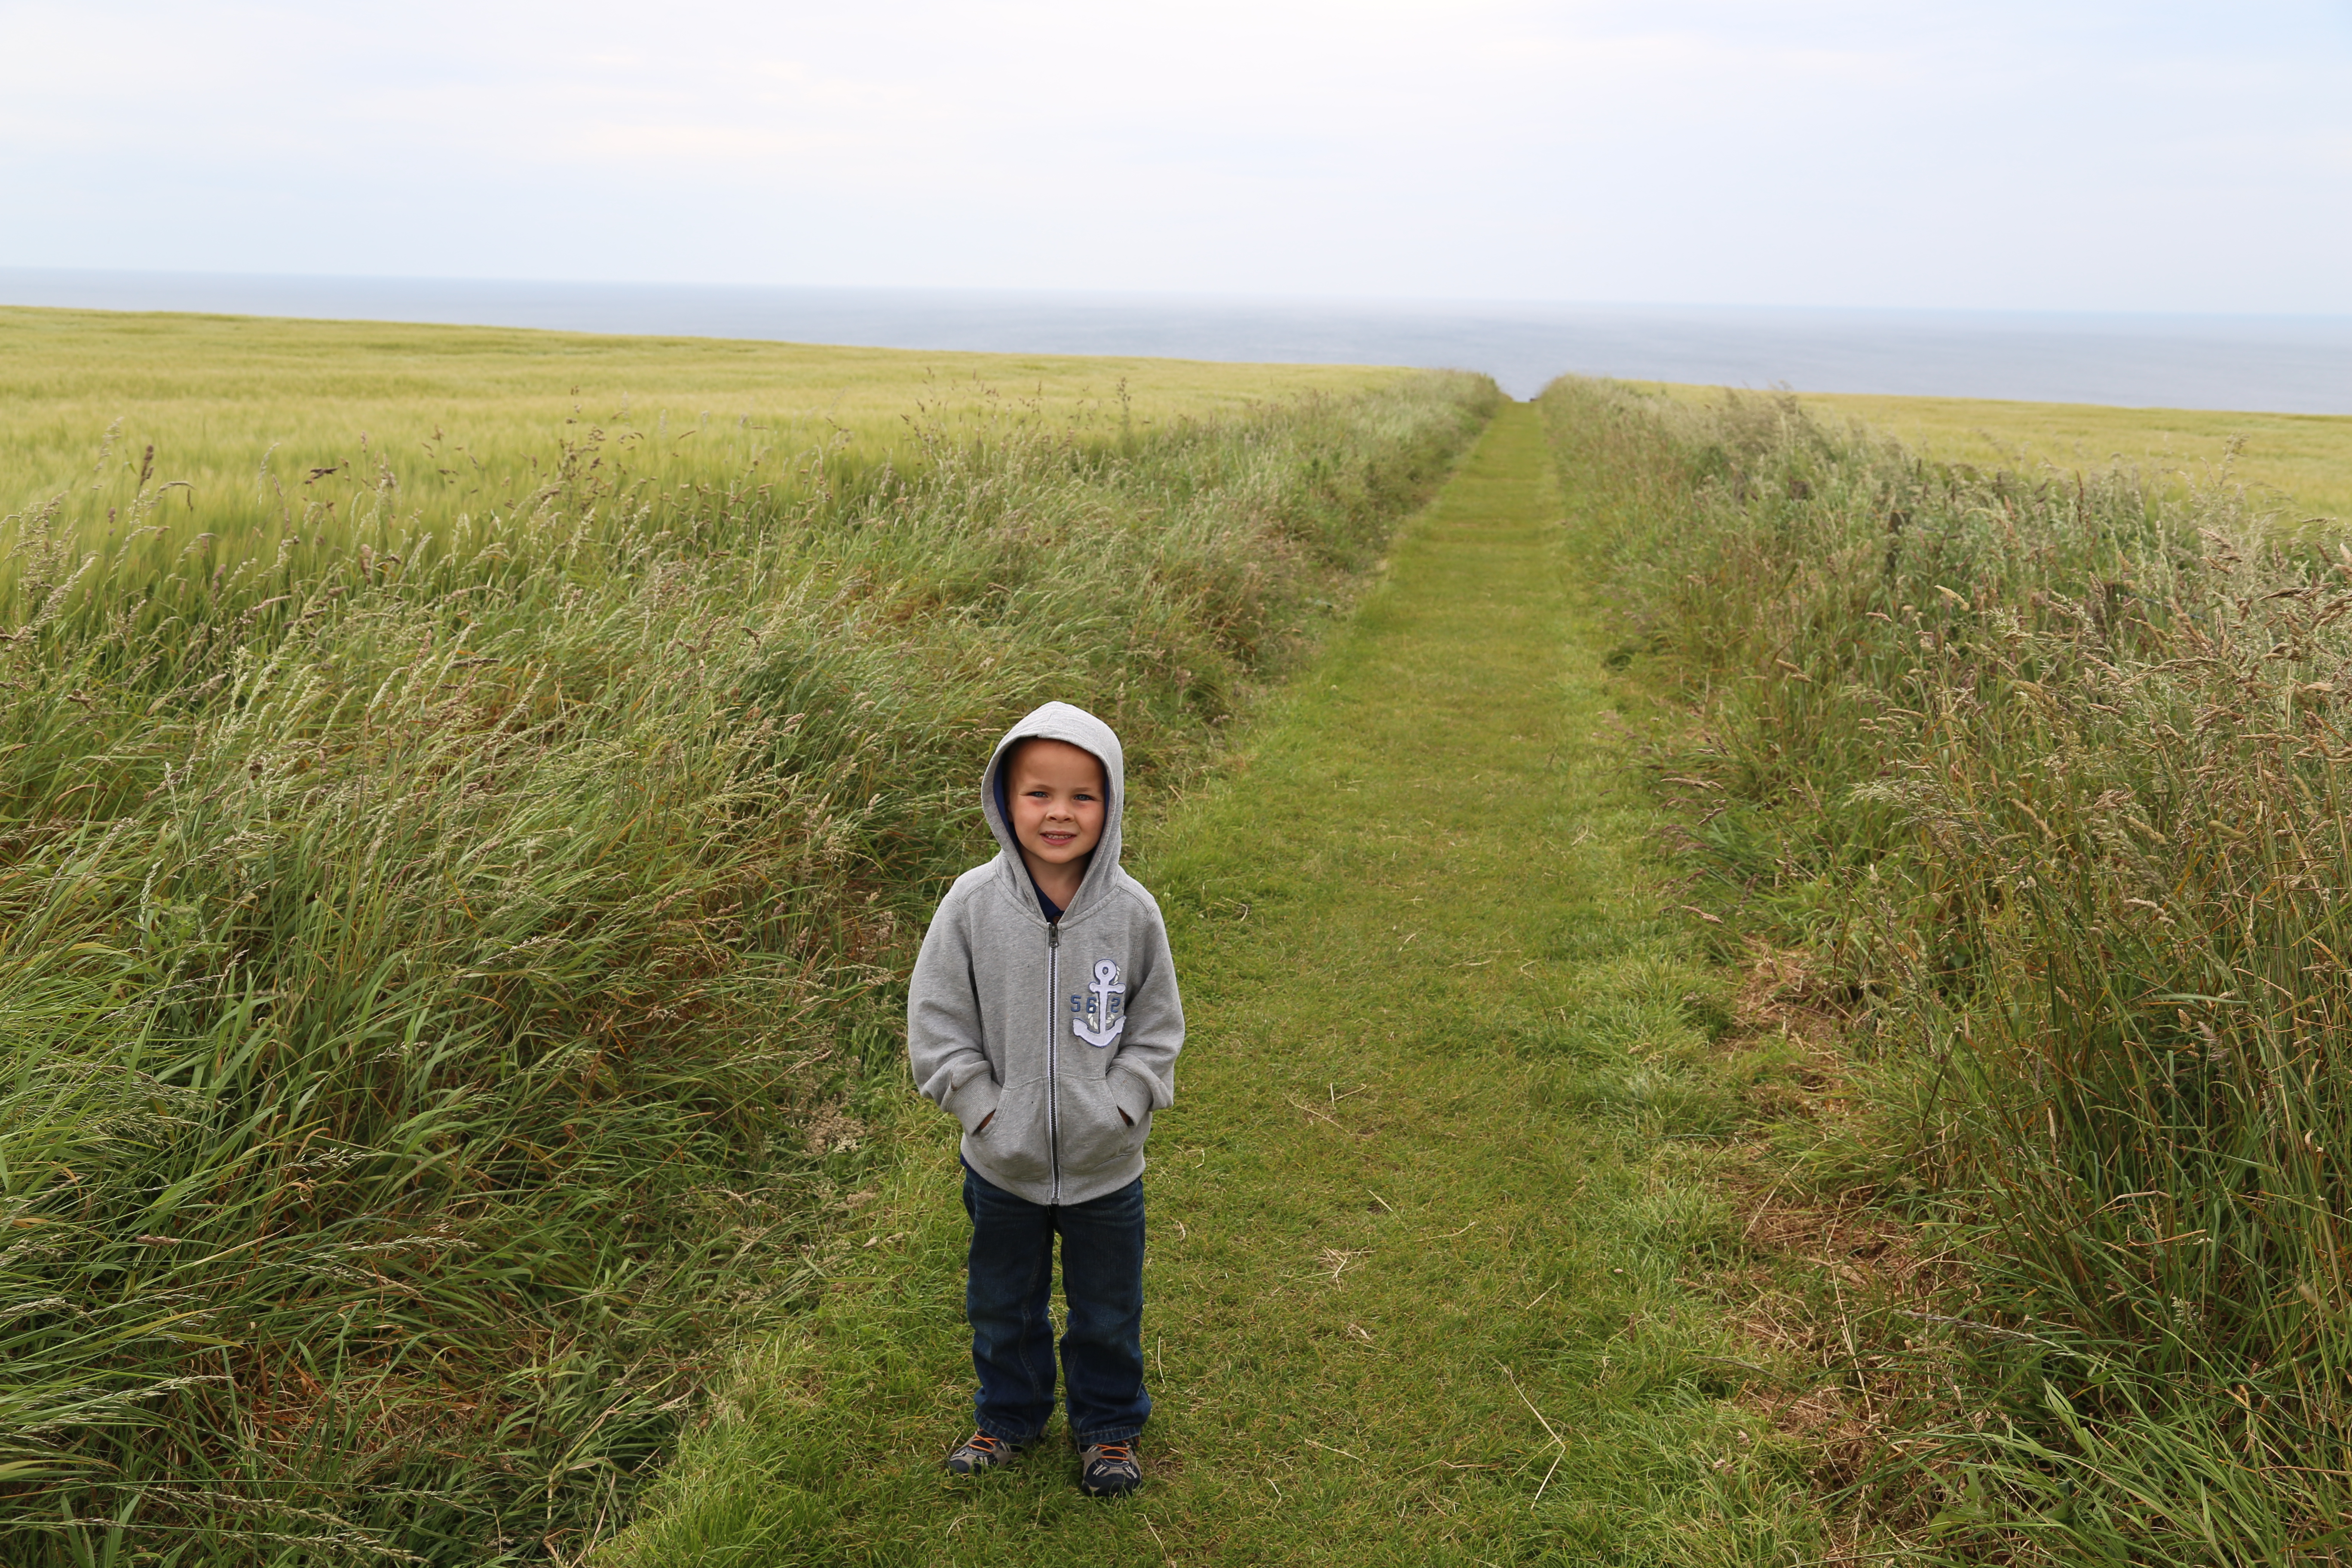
point(432, 960)
point(2051, 769)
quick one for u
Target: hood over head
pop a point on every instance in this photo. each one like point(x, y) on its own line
point(1061, 721)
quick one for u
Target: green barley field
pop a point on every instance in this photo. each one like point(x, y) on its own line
point(452, 886)
point(2296, 465)
point(2030, 783)
point(1767, 972)
point(258, 425)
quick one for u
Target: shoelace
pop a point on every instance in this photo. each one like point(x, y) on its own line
point(1114, 1454)
point(984, 1443)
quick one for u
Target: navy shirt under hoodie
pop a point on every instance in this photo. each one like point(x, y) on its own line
point(1056, 1027)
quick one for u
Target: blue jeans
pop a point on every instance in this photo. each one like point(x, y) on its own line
point(1011, 1279)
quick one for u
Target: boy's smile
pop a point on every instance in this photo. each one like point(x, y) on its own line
point(1055, 794)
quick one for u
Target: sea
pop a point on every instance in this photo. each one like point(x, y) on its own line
point(2294, 364)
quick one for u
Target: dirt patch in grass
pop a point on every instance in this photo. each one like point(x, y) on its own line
point(1851, 1300)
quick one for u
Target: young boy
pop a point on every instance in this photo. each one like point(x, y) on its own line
point(1044, 1016)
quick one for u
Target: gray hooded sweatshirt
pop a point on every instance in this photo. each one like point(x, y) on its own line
point(1055, 1027)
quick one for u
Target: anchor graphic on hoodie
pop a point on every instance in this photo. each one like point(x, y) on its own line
point(1106, 987)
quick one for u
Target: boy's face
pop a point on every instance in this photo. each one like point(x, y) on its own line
point(1055, 793)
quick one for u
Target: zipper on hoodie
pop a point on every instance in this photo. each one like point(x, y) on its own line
point(1052, 1053)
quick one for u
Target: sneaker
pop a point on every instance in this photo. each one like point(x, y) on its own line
point(980, 1452)
point(1108, 1469)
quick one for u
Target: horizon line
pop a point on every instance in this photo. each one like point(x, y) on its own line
point(1115, 296)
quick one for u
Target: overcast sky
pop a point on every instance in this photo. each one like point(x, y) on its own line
point(2058, 154)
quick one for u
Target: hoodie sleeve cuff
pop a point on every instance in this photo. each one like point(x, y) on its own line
point(973, 1101)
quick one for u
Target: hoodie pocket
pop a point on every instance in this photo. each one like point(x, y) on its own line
point(1095, 1136)
point(1018, 1144)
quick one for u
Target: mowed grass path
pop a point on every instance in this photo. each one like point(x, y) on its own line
point(1432, 1220)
